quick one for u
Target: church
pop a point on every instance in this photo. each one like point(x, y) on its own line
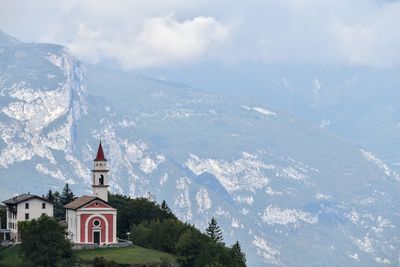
point(90, 219)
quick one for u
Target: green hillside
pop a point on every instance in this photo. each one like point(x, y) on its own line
point(129, 255)
point(9, 257)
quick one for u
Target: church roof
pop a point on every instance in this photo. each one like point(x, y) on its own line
point(79, 202)
point(100, 154)
point(82, 201)
point(23, 197)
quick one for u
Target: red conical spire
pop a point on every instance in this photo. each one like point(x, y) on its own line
point(100, 154)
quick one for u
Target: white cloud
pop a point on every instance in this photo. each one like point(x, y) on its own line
point(139, 34)
point(159, 42)
point(375, 41)
point(359, 32)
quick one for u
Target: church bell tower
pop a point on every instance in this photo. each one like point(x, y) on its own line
point(100, 175)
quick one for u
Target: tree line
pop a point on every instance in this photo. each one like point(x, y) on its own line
point(153, 225)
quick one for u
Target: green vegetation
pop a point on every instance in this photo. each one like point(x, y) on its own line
point(128, 255)
point(44, 243)
point(159, 238)
point(2, 216)
point(10, 257)
point(137, 210)
point(154, 226)
point(214, 231)
point(59, 200)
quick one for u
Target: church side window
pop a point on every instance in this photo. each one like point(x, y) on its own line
point(43, 205)
point(26, 216)
point(26, 205)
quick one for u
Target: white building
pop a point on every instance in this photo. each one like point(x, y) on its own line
point(25, 207)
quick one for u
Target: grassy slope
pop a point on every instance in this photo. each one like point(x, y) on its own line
point(10, 257)
point(129, 255)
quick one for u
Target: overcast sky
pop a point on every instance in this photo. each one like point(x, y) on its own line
point(152, 33)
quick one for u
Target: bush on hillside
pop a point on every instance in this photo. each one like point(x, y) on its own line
point(134, 211)
point(44, 243)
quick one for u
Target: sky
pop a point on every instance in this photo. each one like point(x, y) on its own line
point(167, 37)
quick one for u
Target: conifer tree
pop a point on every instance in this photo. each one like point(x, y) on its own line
point(165, 207)
point(59, 211)
point(214, 231)
point(67, 195)
point(2, 216)
point(50, 196)
point(238, 254)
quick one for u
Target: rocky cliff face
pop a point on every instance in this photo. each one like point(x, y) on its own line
point(289, 192)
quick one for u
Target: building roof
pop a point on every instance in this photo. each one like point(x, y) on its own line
point(82, 201)
point(23, 197)
point(100, 154)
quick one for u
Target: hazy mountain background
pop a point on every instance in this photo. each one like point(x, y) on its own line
point(289, 190)
point(359, 103)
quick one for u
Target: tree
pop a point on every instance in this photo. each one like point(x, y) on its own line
point(50, 196)
point(67, 195)
point(135, 211)
point(44, 243)
point(214, 231)
point(161, 235)
point(238, 255)
point(188, 247)
point(167, 211)
point(3, 213)
point(59, 211)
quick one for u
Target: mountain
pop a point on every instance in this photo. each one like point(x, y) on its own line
point(356, 102)
point(291, 193)
point(7, 40)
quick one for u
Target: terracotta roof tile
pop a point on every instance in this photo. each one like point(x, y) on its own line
point(79, 202)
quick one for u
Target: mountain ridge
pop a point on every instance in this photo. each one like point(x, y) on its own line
point(284, 188)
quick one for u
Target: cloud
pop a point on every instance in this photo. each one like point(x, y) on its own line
point(140, 34)
point(334, 32)
point(374, 42)
point(159, 41)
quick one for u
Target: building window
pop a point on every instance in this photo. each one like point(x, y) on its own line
point(96, 223)
point(43, 205)
point(26, 205)
point(26, 216)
